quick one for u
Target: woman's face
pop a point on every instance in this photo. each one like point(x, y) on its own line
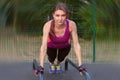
point(59, 17)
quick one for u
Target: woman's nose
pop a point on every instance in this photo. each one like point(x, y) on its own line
point(60, 18)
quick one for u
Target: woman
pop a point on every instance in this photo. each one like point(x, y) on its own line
point(56, 39)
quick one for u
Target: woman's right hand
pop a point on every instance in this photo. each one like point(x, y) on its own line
point(39, 70)
point(82, 68)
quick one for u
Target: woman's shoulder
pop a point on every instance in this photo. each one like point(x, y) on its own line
point(48, 22)
point(71, 22)
point(47, 25)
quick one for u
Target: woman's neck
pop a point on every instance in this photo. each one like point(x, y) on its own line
point(60, 26)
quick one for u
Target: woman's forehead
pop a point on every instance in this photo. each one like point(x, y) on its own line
point(59, 12)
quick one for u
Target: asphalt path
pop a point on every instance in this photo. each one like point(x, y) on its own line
point(24, 71)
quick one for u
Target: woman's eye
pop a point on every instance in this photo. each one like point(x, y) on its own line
point(57, 15)
point(60, 15)
point(63, 15)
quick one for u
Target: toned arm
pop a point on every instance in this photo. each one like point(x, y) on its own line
point(43, 48)
point(76, 44)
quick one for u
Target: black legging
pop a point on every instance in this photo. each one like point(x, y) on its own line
point(62, 53)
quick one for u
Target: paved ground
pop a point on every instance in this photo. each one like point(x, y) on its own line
point(23, 71)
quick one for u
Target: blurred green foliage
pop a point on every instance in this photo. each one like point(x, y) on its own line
point(29, 16)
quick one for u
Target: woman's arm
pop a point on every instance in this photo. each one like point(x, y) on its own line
point(43, 48)
point(76, 44)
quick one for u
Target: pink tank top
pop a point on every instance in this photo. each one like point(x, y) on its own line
point(60, 42)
